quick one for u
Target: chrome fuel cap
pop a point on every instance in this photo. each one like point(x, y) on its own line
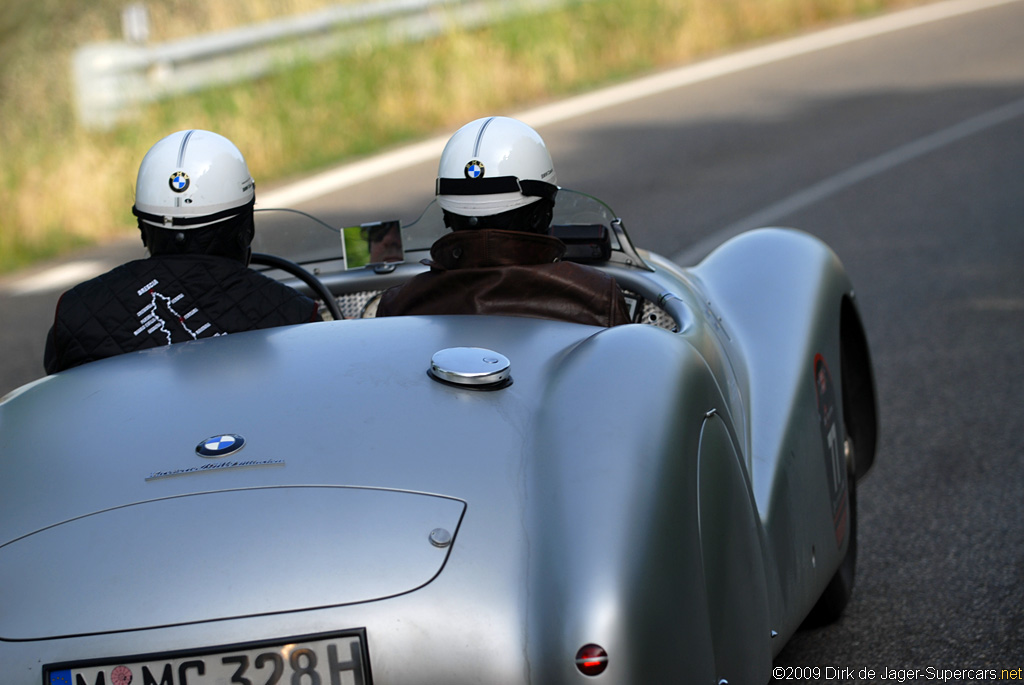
point(471, 366)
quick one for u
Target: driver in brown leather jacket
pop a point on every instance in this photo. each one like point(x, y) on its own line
point(496, 186)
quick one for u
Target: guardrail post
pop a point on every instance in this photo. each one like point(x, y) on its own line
point(135, 23)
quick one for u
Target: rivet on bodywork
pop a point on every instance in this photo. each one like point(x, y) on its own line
point(439, 537)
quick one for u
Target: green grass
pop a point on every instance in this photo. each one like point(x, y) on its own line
point(62, 186)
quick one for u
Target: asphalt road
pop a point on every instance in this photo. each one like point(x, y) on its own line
point(905, 152)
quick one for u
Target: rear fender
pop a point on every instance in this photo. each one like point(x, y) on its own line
point(780, 297)
point(614, 513)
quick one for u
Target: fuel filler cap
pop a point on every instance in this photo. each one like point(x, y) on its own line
point(475, 367)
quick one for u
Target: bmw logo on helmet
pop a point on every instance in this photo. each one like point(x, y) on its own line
point(220, 446)
point(179, 182)
point(475, 169)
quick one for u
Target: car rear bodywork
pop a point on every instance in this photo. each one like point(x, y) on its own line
point(673, 496)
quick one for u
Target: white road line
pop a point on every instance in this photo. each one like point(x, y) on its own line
point(57, 278)
point(357, 172)
point(350, 174)
point(855, 174)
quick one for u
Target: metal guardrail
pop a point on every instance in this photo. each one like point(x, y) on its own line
point(112, 80)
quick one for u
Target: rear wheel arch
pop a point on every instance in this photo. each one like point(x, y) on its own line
point(860, 418)
point(860, 404)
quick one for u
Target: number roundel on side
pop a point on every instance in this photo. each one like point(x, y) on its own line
point(835, 466)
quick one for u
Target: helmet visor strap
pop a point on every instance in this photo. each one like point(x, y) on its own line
point(494, 186)
point(190, 221)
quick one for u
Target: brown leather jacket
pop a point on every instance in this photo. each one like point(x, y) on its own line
point(488, 271)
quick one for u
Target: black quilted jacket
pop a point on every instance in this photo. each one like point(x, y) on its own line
point(163, 300)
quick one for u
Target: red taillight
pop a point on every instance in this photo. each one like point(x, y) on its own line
point(591, 660)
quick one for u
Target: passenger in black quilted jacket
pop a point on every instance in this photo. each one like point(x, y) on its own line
point(194, 202)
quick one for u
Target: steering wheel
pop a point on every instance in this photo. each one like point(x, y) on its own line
point(293, 269)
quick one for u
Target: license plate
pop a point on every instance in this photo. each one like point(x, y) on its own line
point(339, 659)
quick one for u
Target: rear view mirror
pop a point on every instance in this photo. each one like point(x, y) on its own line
point(372, 244)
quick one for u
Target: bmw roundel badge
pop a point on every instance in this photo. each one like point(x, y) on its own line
point(474, 169)
point(179, 181)
point(220, 446)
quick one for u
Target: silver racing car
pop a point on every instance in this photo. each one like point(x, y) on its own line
point(449, 499)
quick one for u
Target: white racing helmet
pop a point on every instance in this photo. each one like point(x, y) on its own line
point(192, 179)
point(493, 165)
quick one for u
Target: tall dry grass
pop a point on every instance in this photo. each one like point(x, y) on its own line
point(61, 185)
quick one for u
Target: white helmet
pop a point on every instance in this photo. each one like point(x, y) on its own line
point(494, 165)
point(192, 179)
